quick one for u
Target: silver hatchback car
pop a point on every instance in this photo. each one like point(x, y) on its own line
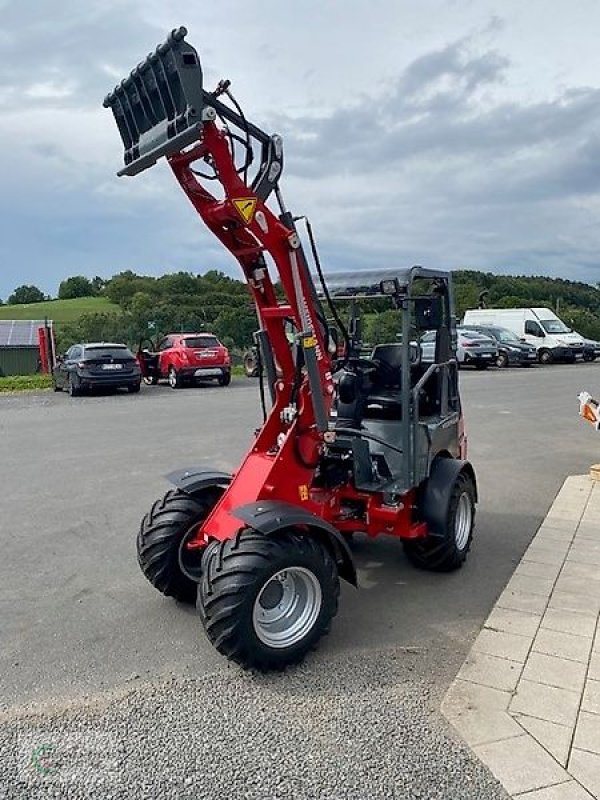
point(473, 348)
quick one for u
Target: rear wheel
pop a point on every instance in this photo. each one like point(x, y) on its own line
point(447, 549)
point(250, 364)
point(265, 601)
point(545, 356)
point(174, 378)
point(481, 365)
point(161, 536)
point(225, 379)
point(134, 389)
point(73, 388)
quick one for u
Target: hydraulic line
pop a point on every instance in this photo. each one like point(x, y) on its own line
point(371, 436)
point(330, 303)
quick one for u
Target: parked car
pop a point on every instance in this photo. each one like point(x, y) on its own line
point(540, 327)
point(95, 365)
point(511, 349)
point(473, 348)
point(186, 357)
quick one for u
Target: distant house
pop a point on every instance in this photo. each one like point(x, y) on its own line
point(19, 347)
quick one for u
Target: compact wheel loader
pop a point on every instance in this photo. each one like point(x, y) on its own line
point(353, 441)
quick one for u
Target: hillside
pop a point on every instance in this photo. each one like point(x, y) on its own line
point(60, 310)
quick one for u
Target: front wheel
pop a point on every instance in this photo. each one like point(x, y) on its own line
point(161, 537)
point(446, 549)
point(502, 360)
point(150, 380)
point(588, 355)
point(545, 356)
point(265, 601)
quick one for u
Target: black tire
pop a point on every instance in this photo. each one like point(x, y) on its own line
point(134, 389)
point(72, 388)
point(150, 380)
point(545, 356)
point(225, 379)
point(481, 365)
point(238, 571)
point(250, 365)
point(174, 378)
point(502, 360)
point(56, 387)
point(588, 355)
point(161, 533)
point(441, 552)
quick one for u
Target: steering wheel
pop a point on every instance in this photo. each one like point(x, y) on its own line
point(381, 368)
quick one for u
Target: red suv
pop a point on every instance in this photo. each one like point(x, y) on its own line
point(182, 357)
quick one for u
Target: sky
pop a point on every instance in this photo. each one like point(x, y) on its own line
point(451, 133)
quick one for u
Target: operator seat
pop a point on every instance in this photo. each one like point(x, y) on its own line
point(384, 399)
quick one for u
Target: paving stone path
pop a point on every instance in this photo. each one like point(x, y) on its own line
point(527, 699)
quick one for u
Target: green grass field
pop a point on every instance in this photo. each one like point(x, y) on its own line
point(59, 310)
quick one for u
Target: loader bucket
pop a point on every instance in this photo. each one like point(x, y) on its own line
point(158, 108)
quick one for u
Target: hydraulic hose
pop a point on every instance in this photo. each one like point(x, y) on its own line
point(366, 435)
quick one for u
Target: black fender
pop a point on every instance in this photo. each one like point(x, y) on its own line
point(438, 488)
point(270, 516)
point(194, 479)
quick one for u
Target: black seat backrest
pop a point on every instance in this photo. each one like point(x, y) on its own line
point(391, 356)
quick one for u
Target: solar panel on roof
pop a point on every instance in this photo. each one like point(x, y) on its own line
point(20, 332)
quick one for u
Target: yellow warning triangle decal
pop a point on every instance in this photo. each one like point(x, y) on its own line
point(246, 207)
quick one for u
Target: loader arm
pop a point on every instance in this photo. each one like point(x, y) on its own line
point(162, 110)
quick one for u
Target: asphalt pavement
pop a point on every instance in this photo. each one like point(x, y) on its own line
point(109, 688)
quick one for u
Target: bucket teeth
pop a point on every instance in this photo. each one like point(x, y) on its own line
point(158, 107)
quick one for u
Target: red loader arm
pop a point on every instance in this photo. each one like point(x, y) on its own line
point(161, 109)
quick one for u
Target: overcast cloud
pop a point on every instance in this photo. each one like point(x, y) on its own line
point(450, 132)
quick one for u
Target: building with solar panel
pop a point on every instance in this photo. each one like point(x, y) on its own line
point(19, 346)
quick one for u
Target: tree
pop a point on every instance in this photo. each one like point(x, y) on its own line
point(237, 324)
point(98, 284)
point(383, 327)
point(26, 294)
point(121, 288)
point(76, 286)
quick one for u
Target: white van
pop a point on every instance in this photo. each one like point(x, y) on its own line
point(540, 327)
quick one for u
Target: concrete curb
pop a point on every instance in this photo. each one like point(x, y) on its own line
point(527, 699)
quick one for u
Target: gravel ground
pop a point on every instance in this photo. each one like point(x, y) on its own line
point(360, 720)
point(371, 733)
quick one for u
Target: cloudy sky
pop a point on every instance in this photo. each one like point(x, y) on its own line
point(455, 133)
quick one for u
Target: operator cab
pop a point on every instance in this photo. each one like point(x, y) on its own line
point(393, 407)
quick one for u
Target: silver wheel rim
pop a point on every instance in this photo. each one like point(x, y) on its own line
point(287, 607)
point(172, 378)
point(463, 521)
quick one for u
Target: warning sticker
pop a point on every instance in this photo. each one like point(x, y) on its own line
point(246, 207)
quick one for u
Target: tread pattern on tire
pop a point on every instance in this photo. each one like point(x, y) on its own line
point(159, 536)
point(438, 553)
point(235, 570)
